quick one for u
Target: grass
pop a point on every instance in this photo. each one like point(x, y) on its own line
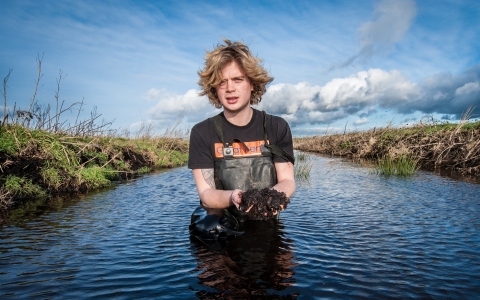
point(402, 166)
point(144, 170)
point(303, 166)
point(402, 151)
point(36, 163)
point(94, 177)
point(51, 176)
point(42, 153)
point(23, 187)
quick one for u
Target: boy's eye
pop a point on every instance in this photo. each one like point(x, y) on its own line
point(237, 80)
point(223, 83)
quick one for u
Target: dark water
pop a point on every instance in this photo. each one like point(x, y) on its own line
point(348, 234)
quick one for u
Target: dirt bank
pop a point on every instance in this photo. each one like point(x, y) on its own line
point(35, 163)
point(449, 147)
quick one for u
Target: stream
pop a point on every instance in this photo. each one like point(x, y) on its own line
point(348, 233)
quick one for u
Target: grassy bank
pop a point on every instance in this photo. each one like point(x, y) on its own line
point(454, 147)
point(49, 149)
point(38, 163)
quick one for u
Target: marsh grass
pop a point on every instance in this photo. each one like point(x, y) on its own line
point(402, 166)
point(431, 145)
point(51, 118)
point(42, 154)
point(303, 166)
point(35, 163)
point(144, 170)
point(23, 187)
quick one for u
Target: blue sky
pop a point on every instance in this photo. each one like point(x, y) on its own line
point(336, 64)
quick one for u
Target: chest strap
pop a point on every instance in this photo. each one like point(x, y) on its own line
point(276, 150)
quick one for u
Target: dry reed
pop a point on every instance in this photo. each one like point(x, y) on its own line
point(455, 147)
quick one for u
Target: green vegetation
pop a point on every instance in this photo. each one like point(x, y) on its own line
point(303, 166)
point(23, 187)
point(144, 170)
point(402, 166)
point(345, 145)
point(42, 154)
point(36, 163)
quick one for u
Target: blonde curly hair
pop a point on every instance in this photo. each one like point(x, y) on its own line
point(222, 55)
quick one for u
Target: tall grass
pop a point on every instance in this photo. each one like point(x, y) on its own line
point(50, 118)
point(23, 187)
point(42, 155)
point(430, 145)
point(402, 166)
point(303, 166)
point(34, 160)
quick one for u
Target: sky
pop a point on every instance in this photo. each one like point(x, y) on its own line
point(338, 65)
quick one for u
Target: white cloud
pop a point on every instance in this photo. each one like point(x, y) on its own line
point(362, 93)
point(354, 98)
point(466, 95)
point(468, 88)
point(169, 107)
point(391, 20)
point(361, 121)
point(153, 94)
point(339, 98)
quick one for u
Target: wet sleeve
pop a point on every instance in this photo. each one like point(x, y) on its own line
point(199, 154)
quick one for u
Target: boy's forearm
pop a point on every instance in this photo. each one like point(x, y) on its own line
point(214, 198)
point(287, 186)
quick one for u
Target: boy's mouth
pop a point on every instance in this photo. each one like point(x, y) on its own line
point(232, 100)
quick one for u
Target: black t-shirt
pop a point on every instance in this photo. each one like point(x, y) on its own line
point(205, 144)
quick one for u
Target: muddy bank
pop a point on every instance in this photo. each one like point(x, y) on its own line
point(452, 148)
point(38, 164)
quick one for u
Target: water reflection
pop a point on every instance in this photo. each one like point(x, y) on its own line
point(259, 263)
point(350, 234)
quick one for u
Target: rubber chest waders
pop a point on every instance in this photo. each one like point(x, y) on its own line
point(246, 173)
point(231, 173)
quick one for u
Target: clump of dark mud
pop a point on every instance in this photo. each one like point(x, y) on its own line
point(265, 203)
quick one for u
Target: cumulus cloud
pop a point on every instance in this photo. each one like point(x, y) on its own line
point(362, 93)
point(170, 106)
point(361, 121)
point(359, 95)
point(390, 20)
point(153, 94)
point(339, 98)
point(445, 93)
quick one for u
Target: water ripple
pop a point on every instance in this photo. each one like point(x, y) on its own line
point(348, 234)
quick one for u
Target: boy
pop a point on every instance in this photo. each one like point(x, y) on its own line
point(241, 148)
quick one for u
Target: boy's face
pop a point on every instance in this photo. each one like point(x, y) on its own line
point(235, 90)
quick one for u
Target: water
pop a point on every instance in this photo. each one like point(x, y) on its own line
point(348, 234)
